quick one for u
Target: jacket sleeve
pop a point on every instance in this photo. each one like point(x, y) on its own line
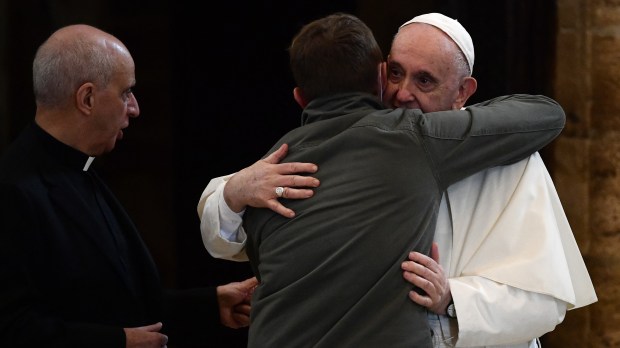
point(500, 131)
point(218, 222)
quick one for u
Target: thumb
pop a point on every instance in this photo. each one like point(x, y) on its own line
point(250, 282)
point(151, 328)
point(435, 252)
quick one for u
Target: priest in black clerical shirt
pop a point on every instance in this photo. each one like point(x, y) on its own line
point(74, 271)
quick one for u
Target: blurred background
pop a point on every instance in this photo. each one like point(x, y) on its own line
point(215, 93)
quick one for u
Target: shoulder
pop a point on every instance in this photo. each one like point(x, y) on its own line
point(391, 119)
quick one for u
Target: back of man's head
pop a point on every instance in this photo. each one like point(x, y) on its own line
point(335, 54)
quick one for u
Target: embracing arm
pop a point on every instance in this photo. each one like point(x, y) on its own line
point(500, 131)
point(224, 200)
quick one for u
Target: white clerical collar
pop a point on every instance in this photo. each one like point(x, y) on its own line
point(88, 162)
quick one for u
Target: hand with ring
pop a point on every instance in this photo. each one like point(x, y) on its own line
point(254, 186)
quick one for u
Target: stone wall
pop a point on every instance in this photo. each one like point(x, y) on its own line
point(586, 160)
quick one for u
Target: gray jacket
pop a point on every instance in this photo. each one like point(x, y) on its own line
point(331, 276)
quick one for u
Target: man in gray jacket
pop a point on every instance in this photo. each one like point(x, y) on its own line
point(331, 276)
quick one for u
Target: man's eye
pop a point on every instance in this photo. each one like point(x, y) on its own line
point(127, 94)
point(394, 73)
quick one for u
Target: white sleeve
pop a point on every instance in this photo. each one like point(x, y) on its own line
point(516, 233)
point(221, 228)
point(514, 266)
point(490, 313)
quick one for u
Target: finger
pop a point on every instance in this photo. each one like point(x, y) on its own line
point(241, 320)
point(423, 301)
point(277, 155)
point(408, 266)
point(163, 340)
point(243, 309)
point(296, 181)
point(295, 193)
point(250, 283)
point(417, 269)
point(435, 252)
point(423, 282)
point(418, 281)
point(297, 167)
point(423, 260)
point(277, 207)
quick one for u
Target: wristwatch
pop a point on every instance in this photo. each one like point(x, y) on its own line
point(451, 311)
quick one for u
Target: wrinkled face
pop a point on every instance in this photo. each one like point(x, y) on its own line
point(114, 105)
point(422, 71)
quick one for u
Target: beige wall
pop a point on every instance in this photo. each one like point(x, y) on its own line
point(587, 160)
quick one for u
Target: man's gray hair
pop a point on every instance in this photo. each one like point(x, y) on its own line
point(59, 68)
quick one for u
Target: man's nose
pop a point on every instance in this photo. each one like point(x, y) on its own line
point(133, 109)
point(404, 95)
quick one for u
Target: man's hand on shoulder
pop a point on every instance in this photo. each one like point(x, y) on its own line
point(256, 185)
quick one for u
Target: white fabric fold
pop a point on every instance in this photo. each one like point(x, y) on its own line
point(531, 246)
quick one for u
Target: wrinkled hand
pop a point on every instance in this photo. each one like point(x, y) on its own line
point(234, 301)
point(146, 337)
point(427, 274)
point(255, 185)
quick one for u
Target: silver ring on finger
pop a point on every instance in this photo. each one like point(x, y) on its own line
point(279, 191)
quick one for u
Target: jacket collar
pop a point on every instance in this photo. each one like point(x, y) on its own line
point(325, 108)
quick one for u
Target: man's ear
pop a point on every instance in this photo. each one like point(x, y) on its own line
point(85, 98)
point(382, 78)
point(466, 89)
point(299, 97)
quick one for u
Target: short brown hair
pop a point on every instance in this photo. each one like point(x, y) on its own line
point(335, 54)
